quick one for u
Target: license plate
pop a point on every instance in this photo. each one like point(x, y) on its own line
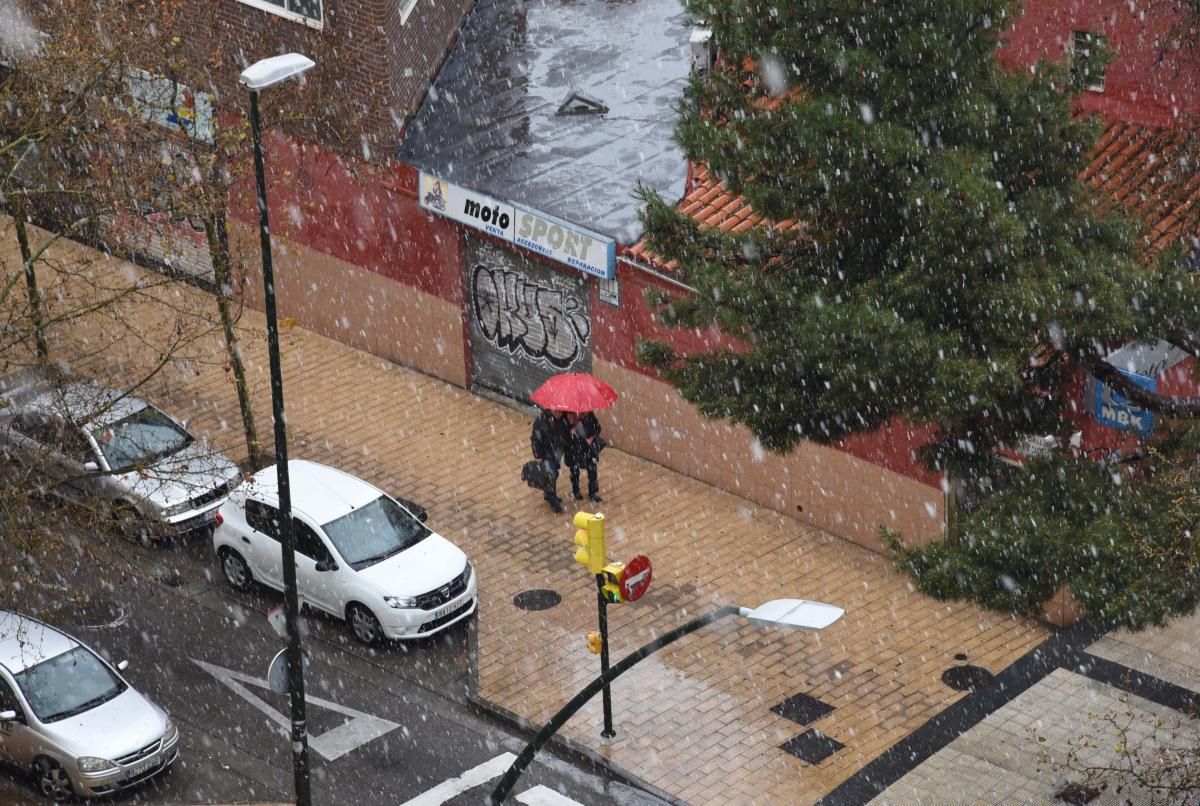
point(142, 768)
point(208, 517)
point(442, 611)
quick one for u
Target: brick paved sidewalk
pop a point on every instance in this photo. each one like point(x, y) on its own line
point(695, 719)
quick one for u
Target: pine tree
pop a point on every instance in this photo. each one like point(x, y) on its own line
point(949, 269)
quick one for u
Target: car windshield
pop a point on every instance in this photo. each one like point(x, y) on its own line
point(140, 439)
point(375, 532)
point(68, 684)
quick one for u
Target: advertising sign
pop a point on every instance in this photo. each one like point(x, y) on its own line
point(566, 243)
point(172, 105)
point(1113, 409)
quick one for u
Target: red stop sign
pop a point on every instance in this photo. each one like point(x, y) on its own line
point(635, 579)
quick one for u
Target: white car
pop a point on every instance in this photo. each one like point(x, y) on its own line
point(69, 717)
point(360, 555)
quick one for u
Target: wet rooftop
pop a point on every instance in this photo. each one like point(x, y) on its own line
point(490, 121)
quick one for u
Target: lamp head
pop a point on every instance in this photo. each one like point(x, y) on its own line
point(267, 72)
point(793, 613)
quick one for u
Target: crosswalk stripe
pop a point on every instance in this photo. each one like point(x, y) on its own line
point(544, 796)
point(471, 778)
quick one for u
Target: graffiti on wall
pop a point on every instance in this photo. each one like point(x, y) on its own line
point(519, 314)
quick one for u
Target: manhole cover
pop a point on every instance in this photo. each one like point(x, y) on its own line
point(811, 746)
point(537, 599)
point(967, 678)
point(802, 708)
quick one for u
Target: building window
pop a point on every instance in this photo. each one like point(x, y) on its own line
point(308, 12)
point(1087, 60)
point(406, 8)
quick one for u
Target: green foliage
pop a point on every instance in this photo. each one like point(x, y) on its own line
point(946, 234)
point(946, 241)
point(1127, 552)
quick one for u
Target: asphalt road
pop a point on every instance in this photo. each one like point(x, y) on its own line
point(386, 725)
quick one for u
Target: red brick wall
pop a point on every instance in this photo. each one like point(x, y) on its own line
point(419, 45)
point(1145, 83)
point(371, 69)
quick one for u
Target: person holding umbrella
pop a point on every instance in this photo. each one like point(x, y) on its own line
point(583, 451)
point(549, 443)
point(569, 392)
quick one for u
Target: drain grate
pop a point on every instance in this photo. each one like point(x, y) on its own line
point(967, 678)
point(537, 599)
point(802, 709)
point(811, 746)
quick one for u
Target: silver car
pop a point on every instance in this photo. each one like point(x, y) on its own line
point(71, 719)
point(97, 444)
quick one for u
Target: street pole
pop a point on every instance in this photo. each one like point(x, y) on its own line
point(608, 731)
point(295, 653)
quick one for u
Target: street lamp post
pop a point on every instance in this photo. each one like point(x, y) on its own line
point(256, 78)
point(776, 613)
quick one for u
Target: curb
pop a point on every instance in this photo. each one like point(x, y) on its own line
point(570, 749)
point(1062, 650)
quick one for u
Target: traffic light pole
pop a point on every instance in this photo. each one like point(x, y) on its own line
point(608, 731)
point(509, 779)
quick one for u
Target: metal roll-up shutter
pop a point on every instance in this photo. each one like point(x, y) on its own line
point(529, 320)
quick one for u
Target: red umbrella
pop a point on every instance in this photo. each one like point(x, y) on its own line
point(574, 391)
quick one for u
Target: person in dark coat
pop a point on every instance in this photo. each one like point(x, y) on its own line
point(583, 451)
point(549, 443)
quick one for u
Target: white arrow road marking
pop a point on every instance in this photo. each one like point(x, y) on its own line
point(468, 780)
point(544, 796)
point(332, 744)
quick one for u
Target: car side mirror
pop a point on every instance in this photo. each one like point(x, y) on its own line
point(122, 666)
point(326, 565)
point(416, 509)
point(91, 467)
point(8, 716)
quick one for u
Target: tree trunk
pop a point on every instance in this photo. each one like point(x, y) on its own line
point(35, 299)
point(218, 247)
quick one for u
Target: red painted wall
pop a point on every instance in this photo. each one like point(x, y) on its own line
point(616, 330)
point(1147, 82)
point(361, 213)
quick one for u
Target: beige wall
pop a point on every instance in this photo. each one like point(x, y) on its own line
point(835, 491)
point(340, 300)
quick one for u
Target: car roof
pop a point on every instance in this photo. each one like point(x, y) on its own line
point(78, 400)
point(26, 642)
point(318, 491)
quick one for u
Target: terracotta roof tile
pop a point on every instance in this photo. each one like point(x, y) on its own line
point(1147, 172)
point(1138, 169)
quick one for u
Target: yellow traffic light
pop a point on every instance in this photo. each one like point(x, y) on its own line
point(590, 539)
point(611, 589)
point(595, 643)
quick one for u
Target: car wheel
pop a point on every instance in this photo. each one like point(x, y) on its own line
point(237, 573)
point(52, 780)
point(364, 624)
